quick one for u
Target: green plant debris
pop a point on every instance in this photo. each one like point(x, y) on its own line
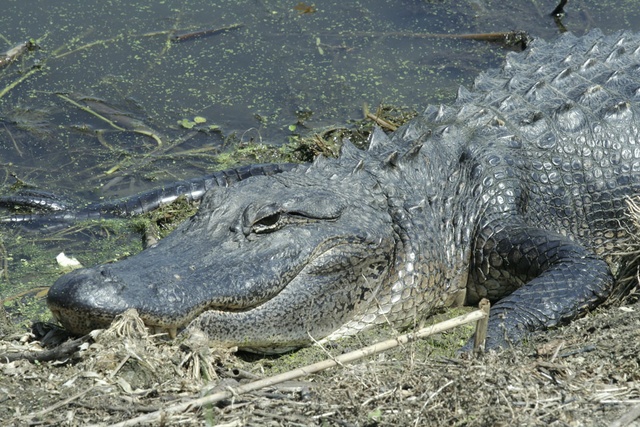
point(197, 120)
point(186, 123)
point(375, 415)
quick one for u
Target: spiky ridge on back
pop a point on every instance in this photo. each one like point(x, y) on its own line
point(554, 89)
point(542, 99)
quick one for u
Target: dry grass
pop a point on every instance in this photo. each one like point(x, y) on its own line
point(585, 374)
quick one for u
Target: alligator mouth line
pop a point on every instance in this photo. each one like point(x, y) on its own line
point(159, 327)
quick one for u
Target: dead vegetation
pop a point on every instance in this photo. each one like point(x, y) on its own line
point(584, 374)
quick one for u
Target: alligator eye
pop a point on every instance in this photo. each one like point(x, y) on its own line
point(267, 224)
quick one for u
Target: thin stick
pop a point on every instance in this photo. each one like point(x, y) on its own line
point(150, 134)
point(204, 33)
point(15, 144)
point(5, 262)
point(64, 350)
point(88, 46)
point(379, 120)
point(56, 405)
point(382, 122)
point(24, 77)
point(90, 111)
point(77, 38)
point(474, 316)
point(482, 326)
point(489, 37)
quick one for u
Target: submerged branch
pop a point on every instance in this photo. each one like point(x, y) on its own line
point(204, 33)
point(22, 78)
point(90, 111)
point(88, 46)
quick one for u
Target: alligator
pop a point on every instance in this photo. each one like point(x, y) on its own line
point(517, 192)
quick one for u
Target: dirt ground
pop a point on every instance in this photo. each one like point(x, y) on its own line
point(584, 374)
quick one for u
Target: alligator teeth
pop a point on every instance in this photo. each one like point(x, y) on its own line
point(160, 330)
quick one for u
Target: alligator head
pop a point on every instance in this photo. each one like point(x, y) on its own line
point(273, 262)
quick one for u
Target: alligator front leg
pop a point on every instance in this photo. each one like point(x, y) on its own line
point(539, 279)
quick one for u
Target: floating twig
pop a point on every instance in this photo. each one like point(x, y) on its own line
point(509, 38)
point(204, 33)
point(90, 111)
point(15, 144)
point(379, 120)
point(123, 119)
point(38, 292)
point(22, 78)
point(101, 111)
point(89, 45)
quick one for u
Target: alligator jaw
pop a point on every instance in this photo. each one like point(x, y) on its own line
point(88, 293)
point(74, 324)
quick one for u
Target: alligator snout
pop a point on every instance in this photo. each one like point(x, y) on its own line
point(84, 300)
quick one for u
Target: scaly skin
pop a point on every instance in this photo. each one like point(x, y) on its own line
point(515, 193)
